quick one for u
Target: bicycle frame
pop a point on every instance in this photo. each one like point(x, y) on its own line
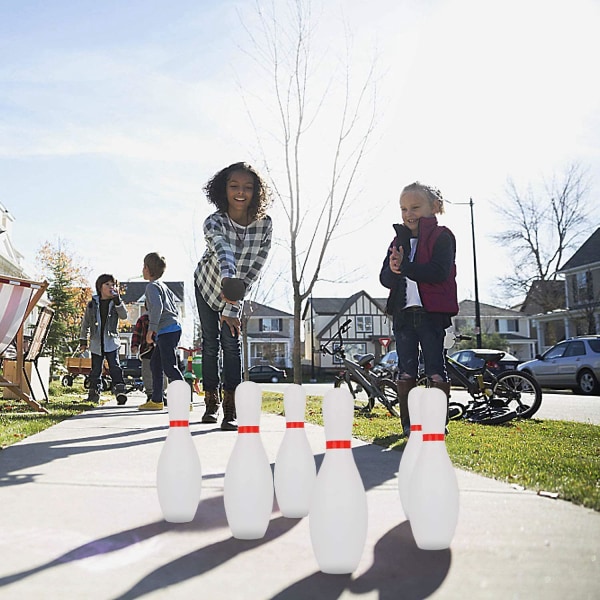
point(354, 372)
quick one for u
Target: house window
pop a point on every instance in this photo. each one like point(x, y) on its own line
point(364, 324)
point(583, 287)
point(351, 349)
point(268, 353)
point(512, 325)
point(271, 325)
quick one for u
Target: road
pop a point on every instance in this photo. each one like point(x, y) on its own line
point(557, 406)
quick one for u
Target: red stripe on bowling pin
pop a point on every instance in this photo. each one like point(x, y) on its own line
point(416, 428)
point(179, 423)
point(337, 444)
point(248, 429)
point(433, 437)
point(295, 424)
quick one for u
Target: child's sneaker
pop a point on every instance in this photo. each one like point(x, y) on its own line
point(151, 406)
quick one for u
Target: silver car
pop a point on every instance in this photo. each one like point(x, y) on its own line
point(572, 364)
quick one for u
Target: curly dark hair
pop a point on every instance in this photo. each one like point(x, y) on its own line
point(215, 190)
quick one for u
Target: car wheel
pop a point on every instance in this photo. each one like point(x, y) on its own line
point(274, 379)
point(587, 383)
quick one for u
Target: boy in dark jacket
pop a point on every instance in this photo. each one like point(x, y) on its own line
point(100, 321)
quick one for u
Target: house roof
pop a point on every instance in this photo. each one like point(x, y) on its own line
point(333, 306)
point(466, 308)
point(588, 253)
point(134, 290)
point(544, 296)
point(344, 305)
point(256, 309)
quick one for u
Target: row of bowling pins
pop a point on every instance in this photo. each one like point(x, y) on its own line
point(426, 478)
point(334, 500)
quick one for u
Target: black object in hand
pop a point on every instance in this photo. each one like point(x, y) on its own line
point(234, 289)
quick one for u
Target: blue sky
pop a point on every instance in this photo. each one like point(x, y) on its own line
point(114, 114)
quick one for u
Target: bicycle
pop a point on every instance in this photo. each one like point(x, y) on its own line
point(358, 376)
point(495, 399)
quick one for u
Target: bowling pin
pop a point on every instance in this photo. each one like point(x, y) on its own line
point(433, 490)
point(412, 448)
point(179, 474)
point(338, 508)
point(248, 478)
point(295, 468)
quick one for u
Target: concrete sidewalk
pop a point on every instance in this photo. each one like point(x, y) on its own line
point(80, 519)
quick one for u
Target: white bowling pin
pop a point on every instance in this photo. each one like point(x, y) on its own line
point(295, 468)
point(433, 490)
point(338, 509)
point(248, 478)
point(179, 474)
point(412, 448)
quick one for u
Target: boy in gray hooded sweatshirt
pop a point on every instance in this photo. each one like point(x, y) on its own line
point(164, 328)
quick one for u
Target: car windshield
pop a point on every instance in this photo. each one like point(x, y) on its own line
point(556, 351)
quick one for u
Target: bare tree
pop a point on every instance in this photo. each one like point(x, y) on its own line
point(543, 228)
point(324, 122)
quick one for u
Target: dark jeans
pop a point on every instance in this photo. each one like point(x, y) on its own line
point(417, 327)
point(114, 368)
point(214, 337)
point(164, 360)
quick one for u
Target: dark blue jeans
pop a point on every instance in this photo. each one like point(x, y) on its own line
point(114, 368)
point(215, 337)
point(164, 360)
point(417, 327)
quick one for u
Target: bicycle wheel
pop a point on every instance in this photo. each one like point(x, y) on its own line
point(491, 415)
point(362, 403)
point(390, 393)
point(520, 392)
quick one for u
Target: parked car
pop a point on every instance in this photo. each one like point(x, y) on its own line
point(497, 361)
point(571, 364)
point(266, 374)
point(387, 365)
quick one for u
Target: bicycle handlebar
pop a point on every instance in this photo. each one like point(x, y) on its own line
point(343, 328)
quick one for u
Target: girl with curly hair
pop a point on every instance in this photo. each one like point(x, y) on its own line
point(420, 272)
point(238, 240)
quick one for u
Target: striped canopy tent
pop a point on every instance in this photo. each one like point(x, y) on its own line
point(18, 297)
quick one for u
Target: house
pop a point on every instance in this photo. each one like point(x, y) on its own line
point(370, 331)
point(545, 296)
point(268, 335)
point(132, 295)
point(511, 325)
point(10, 257)
point(581, 285)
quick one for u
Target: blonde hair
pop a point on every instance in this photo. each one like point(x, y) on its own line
point(431, 194)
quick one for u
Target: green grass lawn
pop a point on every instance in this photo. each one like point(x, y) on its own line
point(17, 421)
point(559, 457)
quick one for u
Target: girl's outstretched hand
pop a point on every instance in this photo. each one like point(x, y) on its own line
point(233, 323)
point(396, 256)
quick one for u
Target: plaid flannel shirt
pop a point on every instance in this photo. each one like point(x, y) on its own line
point(231, 251)
point(138, 337)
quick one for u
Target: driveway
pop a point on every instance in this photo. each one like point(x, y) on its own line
point(558, 406)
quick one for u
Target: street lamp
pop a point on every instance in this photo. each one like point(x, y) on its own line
point(477, 306)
